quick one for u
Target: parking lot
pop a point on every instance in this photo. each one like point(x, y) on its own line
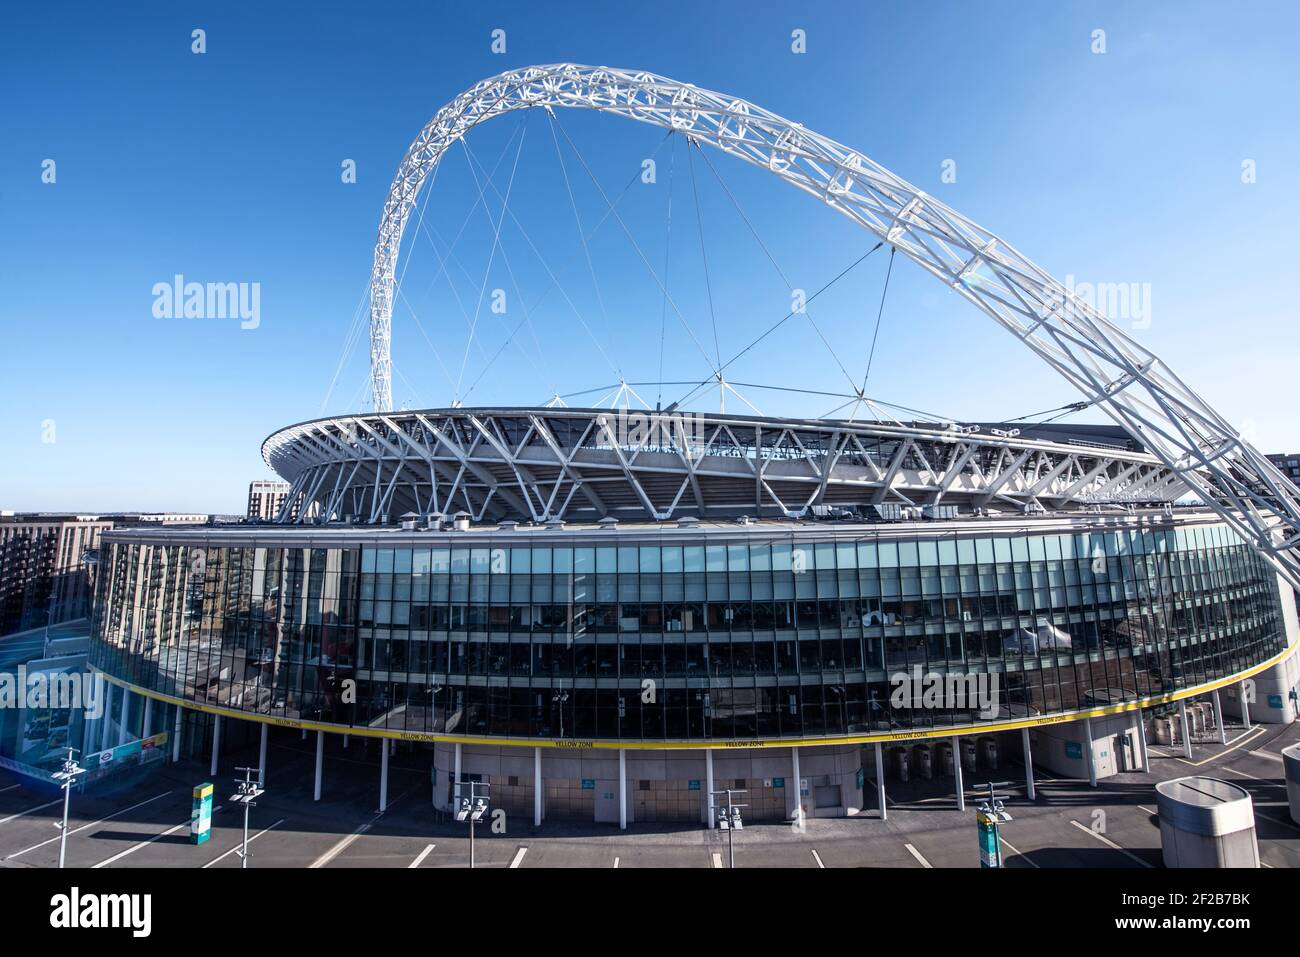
point(145, 822)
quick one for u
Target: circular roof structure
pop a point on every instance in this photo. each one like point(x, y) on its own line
point(543, 464)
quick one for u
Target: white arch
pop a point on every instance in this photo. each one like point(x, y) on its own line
point(1128, 381)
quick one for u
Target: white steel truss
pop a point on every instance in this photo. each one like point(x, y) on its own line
point(554, 463)
point(1135, 388)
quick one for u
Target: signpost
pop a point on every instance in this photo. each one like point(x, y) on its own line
point(246, 795)
point(201, 814)
point(66, 777)
point(988, 815)
point(729, 820)
point(471, 808)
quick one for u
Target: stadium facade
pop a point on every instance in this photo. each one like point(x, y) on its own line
point(611, 615)
point(749, 605)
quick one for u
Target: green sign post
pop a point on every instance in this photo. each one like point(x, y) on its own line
point(201, 814)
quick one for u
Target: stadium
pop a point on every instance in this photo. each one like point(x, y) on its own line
point(610, 614)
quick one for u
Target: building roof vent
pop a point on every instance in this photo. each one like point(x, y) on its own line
point(408, 521)
point(554, 524)
point(609, 521)
point(687, 521)
point(507, 525)
point(460, 521)
point(744, 520)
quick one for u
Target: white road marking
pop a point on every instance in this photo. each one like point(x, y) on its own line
point(1015, 852)
point(157, 837)
point(717, 859)
point(30, 810)
point(241, 844)
point(818, 858)
point(1109, 843)
point(84, 826)
point(1274, 784)
point(917, 854)
point(616, 863)
point(1276, 820)
point(1149, 810)
point(340, 847)
point(423, 854)
point(1266, 754)
point(1232, 747)
point(9, 788)
point(519, 857)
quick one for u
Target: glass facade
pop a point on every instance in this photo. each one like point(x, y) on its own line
point(677, 635)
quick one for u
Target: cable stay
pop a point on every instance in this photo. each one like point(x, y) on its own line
point(637, 246)
point(871, 355)
point(771, 329)
point(777, 266)
point(668, 245)
point(496, 242)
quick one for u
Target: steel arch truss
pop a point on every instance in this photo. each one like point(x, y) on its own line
point(545, 464)
point(1112, 370)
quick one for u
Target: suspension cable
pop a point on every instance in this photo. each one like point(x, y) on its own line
point(668, 246)
point(771, 329)
point(704, 254)
point(772, 259)
point(879, 313)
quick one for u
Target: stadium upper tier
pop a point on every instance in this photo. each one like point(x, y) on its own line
point(548, 464)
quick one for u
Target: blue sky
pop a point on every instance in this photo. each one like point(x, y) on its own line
point(225, 167)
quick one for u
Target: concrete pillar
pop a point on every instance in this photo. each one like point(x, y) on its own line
point(176, 734)
point(622, 789)
point(147, 718)
point(1218, 719)
point(383, 777)
point(1187, 728)
point(101, 730)
point(216, 741)
point(956, 767)
point(798, 788)
point(1142, 742)
point(261, 756)
point(537, 782)
point(708, 785)
point(124, 725)
point(320, 763)
point(1245, 704)
point(880, 781)
point(1029, 764)
point(455, 781)
point(1092, 764)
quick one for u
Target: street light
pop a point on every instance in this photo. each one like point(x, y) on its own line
point(246, 795)
point(472, 808)
point(729, 820)
point(66, 776)
point(988, 815)
point(559, 698)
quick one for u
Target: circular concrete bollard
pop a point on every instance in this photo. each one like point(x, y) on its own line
point(1291, 761)
point(1205, 822)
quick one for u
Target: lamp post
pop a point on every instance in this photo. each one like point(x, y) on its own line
point(247, 794)
point(471, 808)
point(558, 699)
point(729, 820)
point(988, 815)
point(66, 776)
